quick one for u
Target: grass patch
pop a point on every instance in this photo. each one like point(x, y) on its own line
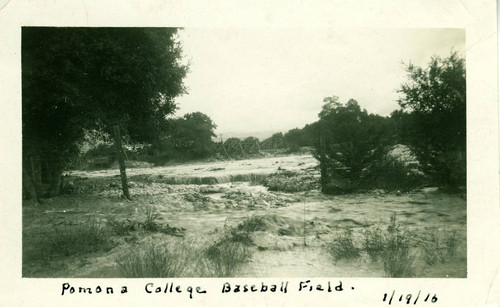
point(155, 261)
point(121, 228)
point(374, 243)
point(343, 247)
point(253, 223)
point(438, 248)
point(80, 239)
point(225, 258)
point(71, 240)
point(397, 248)
point(397, 258)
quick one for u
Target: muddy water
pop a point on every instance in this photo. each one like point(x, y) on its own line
point(318, 219)
point(294, 246)
point(222, 168)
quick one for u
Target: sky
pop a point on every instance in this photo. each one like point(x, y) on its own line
point(259, 81)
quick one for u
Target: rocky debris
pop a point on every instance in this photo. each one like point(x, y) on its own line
point(212, 189)
point(256, 200)
point(195, 197)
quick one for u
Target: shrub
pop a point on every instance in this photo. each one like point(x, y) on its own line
point(438, 248)
point(451, 241)
point(119, 228)
point(149, 224)
point(432, 247)
point(392, 174)
point(253, 223)
point(343, 247)
point(374, 243)
point(226, 257)
point(155, 261)
point(77, 240)
point(151, 217)
point(398, 261)
point(397, 258)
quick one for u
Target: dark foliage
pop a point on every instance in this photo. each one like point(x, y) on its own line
point(83, 79)
point(433, 118)
point(190, 136)
point(350, 141)
point(392, 174)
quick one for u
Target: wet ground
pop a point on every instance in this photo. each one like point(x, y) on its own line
point(299, 224)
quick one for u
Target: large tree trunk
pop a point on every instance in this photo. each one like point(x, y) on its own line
point(29, 187)
point(54, 179)
point(36, 173)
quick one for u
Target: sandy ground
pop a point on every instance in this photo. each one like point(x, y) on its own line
point(310, 219)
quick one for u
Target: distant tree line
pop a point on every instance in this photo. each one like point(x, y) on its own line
point(358, 150)
point(78, 83)
point(354, 147)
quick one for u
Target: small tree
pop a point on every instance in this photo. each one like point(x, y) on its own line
point(277, 140)
point(192, 134)
point(434, 99)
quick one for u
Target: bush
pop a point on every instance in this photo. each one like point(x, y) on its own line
point(392, 174)
point(435, 99)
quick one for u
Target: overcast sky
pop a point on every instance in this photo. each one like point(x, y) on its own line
point(258, 81)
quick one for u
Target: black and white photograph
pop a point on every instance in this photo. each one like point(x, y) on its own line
point(165, 152)
point(168, 153)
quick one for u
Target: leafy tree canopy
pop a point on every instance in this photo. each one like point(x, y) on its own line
point(92, 78)
point(84, 79)
point(351, 139)
point(193, 132)
point(433, 114)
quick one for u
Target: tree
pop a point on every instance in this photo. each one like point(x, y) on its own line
point(233, 146)
point(192, 134)
point(251, 145)
point(88, 79)
point(350, 140)
point(329, 104)
point(276, 140)
point(434, 100)
point(293, 139)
